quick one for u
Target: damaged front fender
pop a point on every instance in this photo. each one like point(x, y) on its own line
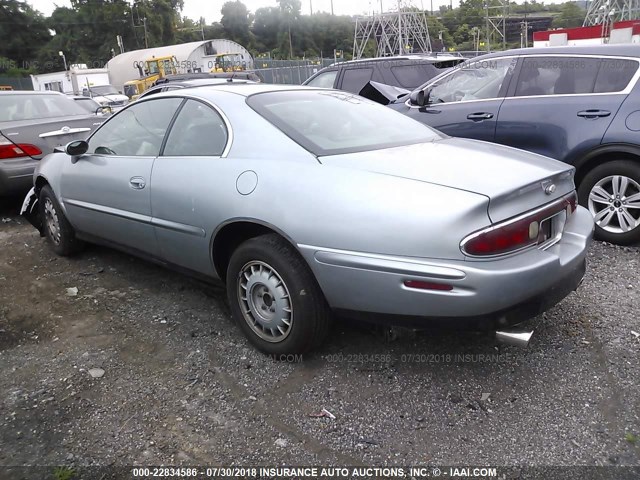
point(31, 210)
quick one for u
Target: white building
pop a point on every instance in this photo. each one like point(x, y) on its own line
point(189, 57)
point(72, 80)
point(627, 31)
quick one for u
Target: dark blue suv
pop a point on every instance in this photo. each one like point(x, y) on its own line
point(580, 105)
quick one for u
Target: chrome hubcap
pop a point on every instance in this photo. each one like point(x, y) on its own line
point(265, 301)
point(614, 203)
point(51, 219)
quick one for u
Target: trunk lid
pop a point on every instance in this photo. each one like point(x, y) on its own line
point(48, 133)
point(514, 180)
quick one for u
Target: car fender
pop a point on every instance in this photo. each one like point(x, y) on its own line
point(585, 161)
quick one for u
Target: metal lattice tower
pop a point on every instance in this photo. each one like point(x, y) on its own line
point(606, 12)
point(395, 33)
point(496, 24)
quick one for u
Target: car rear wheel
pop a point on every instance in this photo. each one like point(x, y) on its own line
point(611, 192)
point(57, 229)
point(274, 297)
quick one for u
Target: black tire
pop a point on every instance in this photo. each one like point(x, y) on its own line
point(612, 233)
point(62, 240)
point(310, 317)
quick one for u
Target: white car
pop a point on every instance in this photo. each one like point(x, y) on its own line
point(106, 95)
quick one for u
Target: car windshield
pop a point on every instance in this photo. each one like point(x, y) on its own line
point(30, 107)
point(104, 90)
point(333, 122)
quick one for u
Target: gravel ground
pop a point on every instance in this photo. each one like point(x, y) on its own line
point(182, 386)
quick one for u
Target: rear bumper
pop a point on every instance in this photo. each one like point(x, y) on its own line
point(513, 315)
point(488, 293)
point(16, 175)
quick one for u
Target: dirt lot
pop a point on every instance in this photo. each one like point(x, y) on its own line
point(182, 386)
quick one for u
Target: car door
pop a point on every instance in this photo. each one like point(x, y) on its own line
point(561, 105)
point(187, 178)
point(466, 101)
point(106, 192)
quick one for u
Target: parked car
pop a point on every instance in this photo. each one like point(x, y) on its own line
point(252, 75)
point(580, 105)
point(32, 124)
point(106, 95)
point(91, 106)
point(406, 72)
point(303, 211)
point(199, 82)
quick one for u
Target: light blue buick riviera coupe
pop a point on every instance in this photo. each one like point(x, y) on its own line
point(309, 202)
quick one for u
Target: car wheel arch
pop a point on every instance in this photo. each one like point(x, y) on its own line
point(40, 182)
point(603, 154)
point(229, 235)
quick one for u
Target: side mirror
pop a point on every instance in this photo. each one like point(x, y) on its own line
point(75, 149)
point(417, 98)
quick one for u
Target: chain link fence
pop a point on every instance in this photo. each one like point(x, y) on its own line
point(18, 83)
point(292, 72)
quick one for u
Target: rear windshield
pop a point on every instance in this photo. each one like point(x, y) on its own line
point(333, 122)
point(30, 107)
point(414, 74)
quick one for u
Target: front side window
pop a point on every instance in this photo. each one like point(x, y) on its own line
point(331, 122)
point(137, 130)
point(474, 80)
point(324, 80)
point(198, 131)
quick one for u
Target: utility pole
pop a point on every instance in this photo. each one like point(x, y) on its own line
point(331, 7)
point(400, 39)
point(486, 17)
point(144, 23)
point(311, 6)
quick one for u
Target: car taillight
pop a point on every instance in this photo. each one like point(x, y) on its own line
point(9, 149)
point(532, 228)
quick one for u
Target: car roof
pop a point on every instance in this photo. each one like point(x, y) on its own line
point(243, 89)
point(29, 92)
point(623, 50)
point(427, 58)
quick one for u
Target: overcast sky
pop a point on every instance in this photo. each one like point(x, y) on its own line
point(210, 9)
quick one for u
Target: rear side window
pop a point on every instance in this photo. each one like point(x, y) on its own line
point(354, 79)
point(198, 131)
point(614, 75)
point(573, 75)
point(413, 75)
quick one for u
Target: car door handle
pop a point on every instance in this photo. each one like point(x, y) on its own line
point(479, 116)
point(137, 183)
point(594, 113)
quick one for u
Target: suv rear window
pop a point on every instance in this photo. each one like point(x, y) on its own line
point(573, 75)
point(614, 75)
point(354, 79)
point(412, 76)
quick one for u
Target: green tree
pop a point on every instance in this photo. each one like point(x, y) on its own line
point(236, 22)
point(290, 12)
point(22, 32)
point(571, 15)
